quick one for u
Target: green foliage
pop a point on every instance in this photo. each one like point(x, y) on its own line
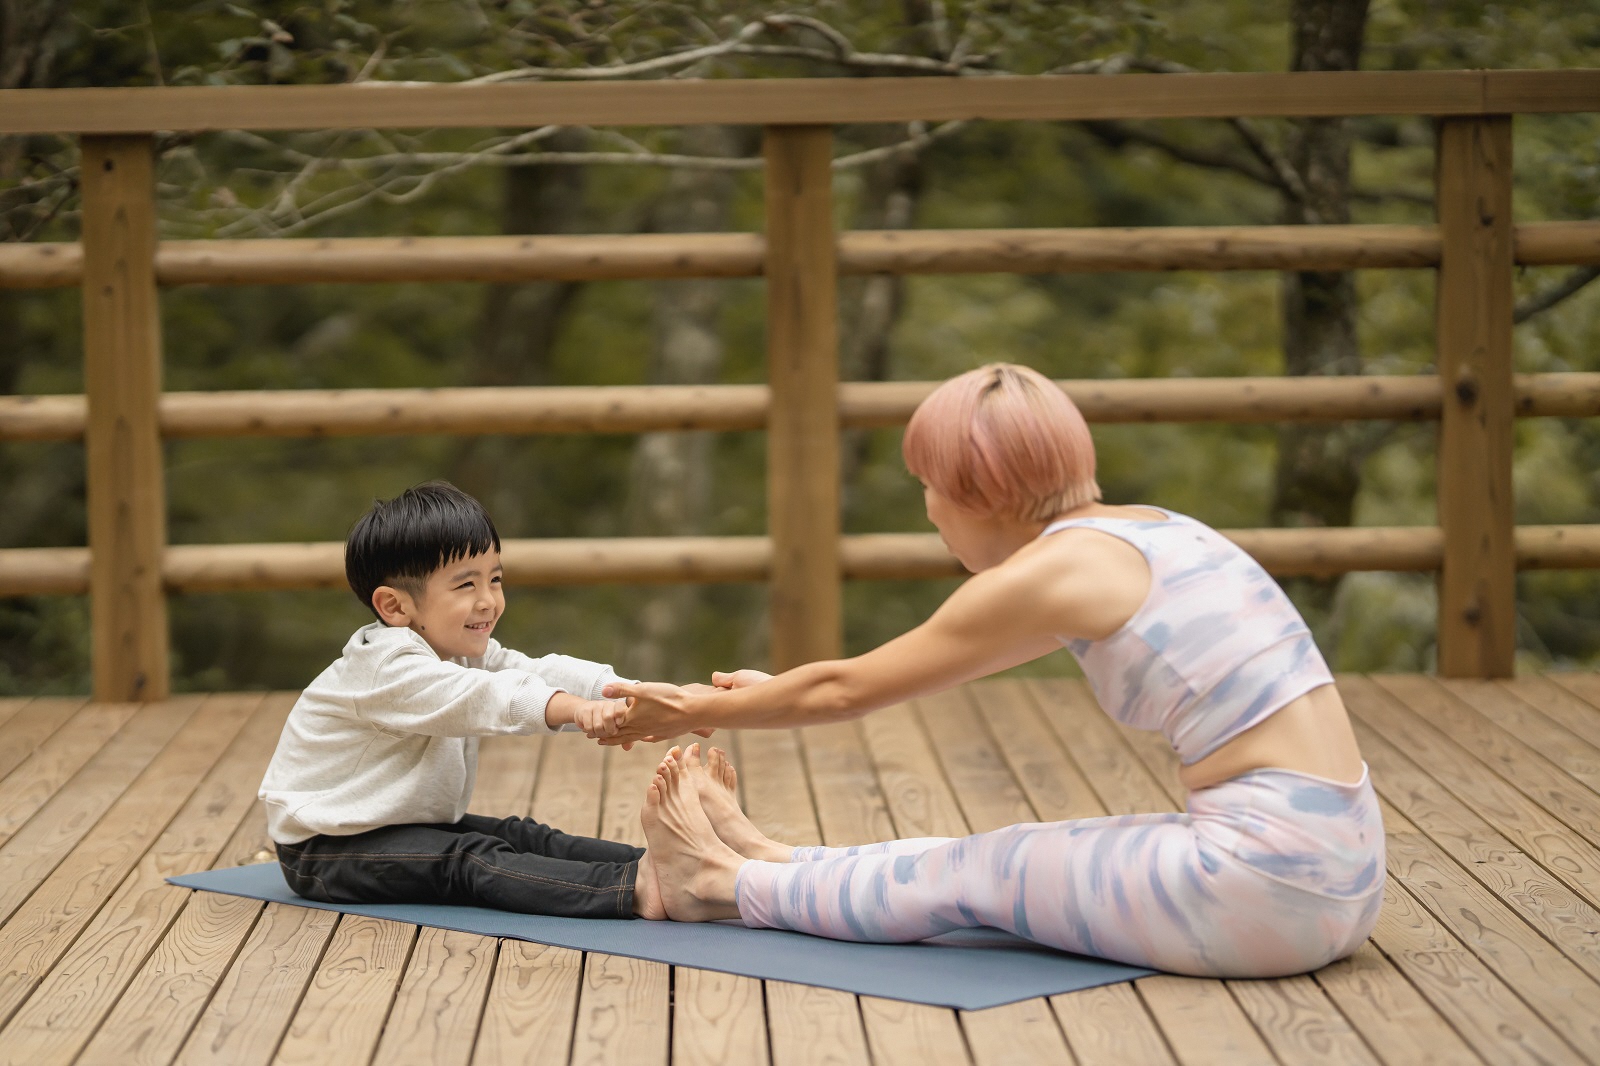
point(990, 174)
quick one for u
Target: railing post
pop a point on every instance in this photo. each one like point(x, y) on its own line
point(803, 372)
point(122, 378)
point(1477, 581)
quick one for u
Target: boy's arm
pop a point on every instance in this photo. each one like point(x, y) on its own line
point(415, 692)
point(580, 677)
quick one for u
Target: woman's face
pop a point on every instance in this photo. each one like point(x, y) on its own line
point(970, 537)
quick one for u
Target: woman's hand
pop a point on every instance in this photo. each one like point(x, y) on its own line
point(656, 711)
point(739, 678)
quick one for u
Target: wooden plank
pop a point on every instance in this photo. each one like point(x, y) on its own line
point(803, 373)
point(1389, 1012)
point(122, 380)
point(1023, 1034)
point(31, 726)
point(627, 775)
point(1111, 1026)
point(1123, 786)
point(1525, 823)
point(914, 787)
point(1482, 1009)
point(10, 705)
point(912, 1032)
point(1531, 773)
point(440, 1003)
point(850, 803)
point(56, 760)
point(30, 856)
point(1477, 595)
point(622, 1013)
point(508, 768)
point(1560, 704)
point(341, 1015)
point(988, 795)
point(1203, 1022)
point(1420, 806)
point(1510, 712)
point(567, 793)
point(69, 1002)
point(157, 1011)
point(814, 1026)
point(717, 1019)
point(1584, 686)
point(790, 101)
point(244, 1020)
point(1052, 782)
point(773, 785)
point(1549, 982)
point(532, 1001)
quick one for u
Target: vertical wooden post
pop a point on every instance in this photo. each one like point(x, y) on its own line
point(1477, 584)
point(122, 378)
point(803, 372)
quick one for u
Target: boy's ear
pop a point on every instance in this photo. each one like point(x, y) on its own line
point(394, 607)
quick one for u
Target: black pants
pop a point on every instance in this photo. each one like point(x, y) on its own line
point(511, 864)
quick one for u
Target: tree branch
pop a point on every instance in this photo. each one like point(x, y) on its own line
point(1116, 134)
point(1547, 298)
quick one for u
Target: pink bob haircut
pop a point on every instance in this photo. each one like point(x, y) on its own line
point(1003, 441)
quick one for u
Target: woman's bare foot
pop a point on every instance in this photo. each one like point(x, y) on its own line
point(647, 892)
point(694, 870)
point(716, 782)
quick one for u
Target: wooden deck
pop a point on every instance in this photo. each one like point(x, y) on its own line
point(1488, 948)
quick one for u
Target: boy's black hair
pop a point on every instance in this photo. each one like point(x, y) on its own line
point(401, 541)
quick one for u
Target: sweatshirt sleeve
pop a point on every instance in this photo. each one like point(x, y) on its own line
point(580, 677)
point(415, 692)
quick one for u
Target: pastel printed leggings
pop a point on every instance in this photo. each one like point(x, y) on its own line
point(1268, 874)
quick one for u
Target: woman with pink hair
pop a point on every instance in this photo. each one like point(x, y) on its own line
point(1277, 865)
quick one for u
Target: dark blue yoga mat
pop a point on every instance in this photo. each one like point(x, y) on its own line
point(970, 970)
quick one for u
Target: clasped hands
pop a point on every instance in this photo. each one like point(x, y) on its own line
point(655, 710)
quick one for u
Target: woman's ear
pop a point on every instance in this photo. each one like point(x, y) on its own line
point(394, 607)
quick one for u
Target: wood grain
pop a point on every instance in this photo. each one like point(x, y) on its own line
point(622, 1013)
point(815, 1026)
point(532, 1000)
point(913, 1033)
point(717, 1018)
point(1024, 1034)
point(246, 1017)
point(1477, 594)
point(61, 1013)
point(809, 100)
point(803, 374)
point(1388, 1011)
point(439, 1005)
point(989, 797)
point(31, 725)
point(1203, 1022)
point(127, 508)
point(1111, 1026)
point(1579, 758)
point(1560, 704)
point(55, 760)
point(347, 1000)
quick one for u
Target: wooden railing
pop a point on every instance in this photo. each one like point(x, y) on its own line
point(129, 568)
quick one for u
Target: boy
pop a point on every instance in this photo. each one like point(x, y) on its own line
point(366, 795)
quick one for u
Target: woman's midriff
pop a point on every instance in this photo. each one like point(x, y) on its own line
point(1310, 735)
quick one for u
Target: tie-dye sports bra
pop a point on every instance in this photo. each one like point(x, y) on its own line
point(1215, 648)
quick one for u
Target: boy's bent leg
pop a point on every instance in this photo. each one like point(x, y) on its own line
point(536, 838)
point(440, 864)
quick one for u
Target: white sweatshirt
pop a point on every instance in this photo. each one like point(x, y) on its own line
point(389, 733)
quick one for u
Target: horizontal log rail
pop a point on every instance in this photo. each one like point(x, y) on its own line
point(612, 257)
point(204, 568)
point(862, 405)
point(803, 101)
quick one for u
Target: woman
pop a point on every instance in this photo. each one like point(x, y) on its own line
point(1277, 866)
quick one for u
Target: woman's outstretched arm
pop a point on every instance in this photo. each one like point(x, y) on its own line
point(998, 619)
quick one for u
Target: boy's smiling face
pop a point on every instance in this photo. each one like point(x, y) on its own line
point(455, 609)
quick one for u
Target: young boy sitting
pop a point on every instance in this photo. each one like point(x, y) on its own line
point(367, 793)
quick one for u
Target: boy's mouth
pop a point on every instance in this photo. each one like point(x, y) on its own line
point(481, 627)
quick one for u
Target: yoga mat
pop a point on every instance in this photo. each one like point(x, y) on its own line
point(970, 969)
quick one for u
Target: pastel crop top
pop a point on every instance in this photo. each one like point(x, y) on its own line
point(1215, 648)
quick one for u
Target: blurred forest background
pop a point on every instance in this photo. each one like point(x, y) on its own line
point(959, 175)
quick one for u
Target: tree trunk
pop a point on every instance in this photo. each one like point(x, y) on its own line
point(517, 332)
point(1319, 467)
point(669, 492)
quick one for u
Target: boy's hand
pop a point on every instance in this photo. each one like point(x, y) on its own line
point(600, 718)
